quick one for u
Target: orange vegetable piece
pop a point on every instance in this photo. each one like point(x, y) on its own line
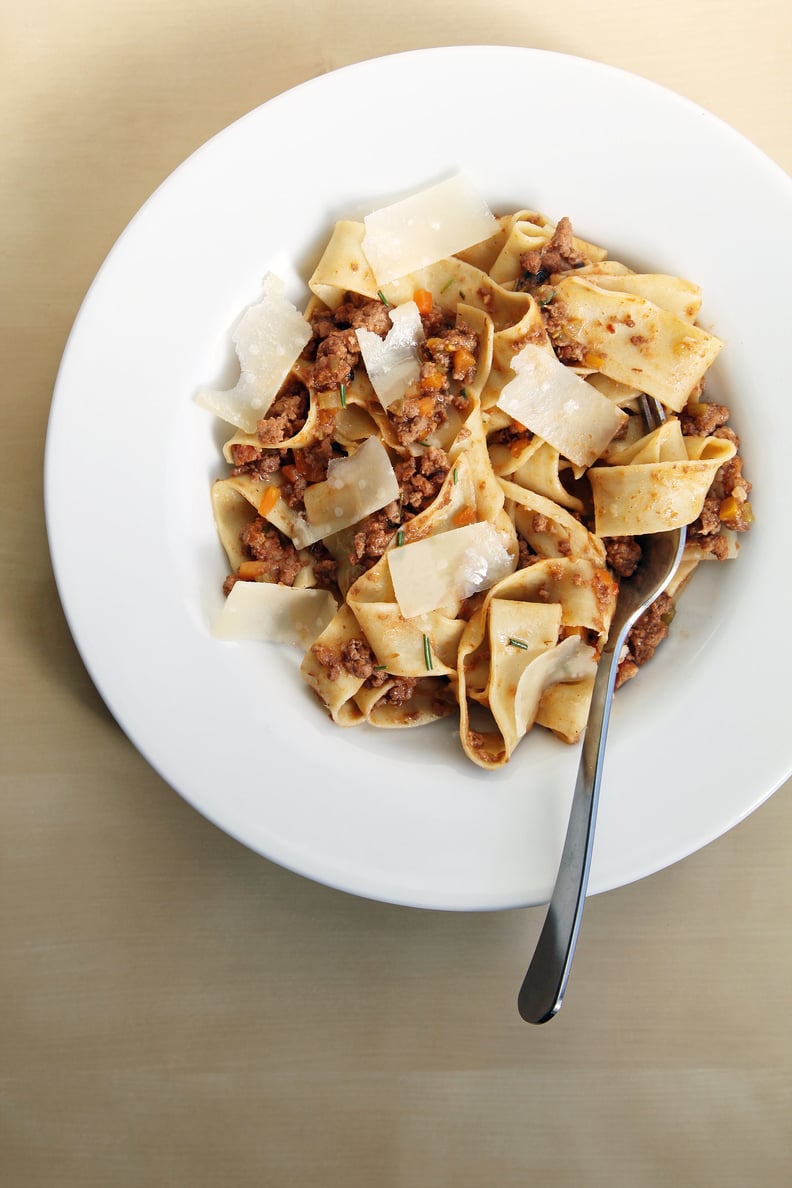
point(465, 515)
point(251, 571)
point(464, 360)
point(268, 500)
point(426, 406)
point(423, 299)
point(432, 382)
point(289, 472)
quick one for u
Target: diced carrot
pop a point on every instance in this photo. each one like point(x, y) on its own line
point(423, 299)
point(268, 500)
point(289, 472)
point(432, 382)
point(517, 446)
point(464, 360)
point(251, 571)
point(465, 515)
point(426, 406)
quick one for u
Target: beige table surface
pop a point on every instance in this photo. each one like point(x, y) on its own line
point(178, 1011)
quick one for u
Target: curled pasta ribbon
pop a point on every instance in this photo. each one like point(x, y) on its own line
point(530, 638)
point(659, 482)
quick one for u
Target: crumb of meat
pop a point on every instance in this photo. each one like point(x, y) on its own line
point(325, 567)
point(645, 637)
point(249, 459)
point(329, 660)
point(702, 419)
point(337, 356)
point(526, 555)
point(286, 416)
point(335, 348)
point(559, 254)
point(623, 554)
point(421, 477)
point(555, 319)
point(400, 691)
point(358, 659)
point(263, 542)
point(374, 534)
point(363, 313)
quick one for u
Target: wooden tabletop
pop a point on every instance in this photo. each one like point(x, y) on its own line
point(179, 1011)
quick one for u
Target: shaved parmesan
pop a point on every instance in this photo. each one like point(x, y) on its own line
point(442, 570)
point(426, 227)
point(392, 362)
point(280, 614)
point(269, 339)
point(559, 406)
point(355, 487)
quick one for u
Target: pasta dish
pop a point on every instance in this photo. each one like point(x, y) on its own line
point(438, 476)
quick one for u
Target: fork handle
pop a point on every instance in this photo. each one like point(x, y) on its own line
point(543, 987)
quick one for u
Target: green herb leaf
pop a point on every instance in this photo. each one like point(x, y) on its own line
point(448, 284)
point(342, 394)
point(546, 300)
point(400, 537)
point(518, 643)
point(456, 475)
point(427, 653)
point(382, 297)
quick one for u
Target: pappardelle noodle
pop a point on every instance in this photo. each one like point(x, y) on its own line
point(439, 477)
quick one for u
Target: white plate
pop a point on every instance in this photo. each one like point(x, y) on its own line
point(697, 742)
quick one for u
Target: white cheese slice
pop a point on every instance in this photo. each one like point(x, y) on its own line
point(426, 227)
point(392, 362)
point(441, 570)
point(280, 614)
point(558, 406)
point(269, 339)
point(355, 487)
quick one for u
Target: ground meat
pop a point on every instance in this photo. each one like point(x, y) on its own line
point(709, 521)
point(358, 659)
point(645, 637)
point(623, 554)
point(286, 416)
point(363, 313)
point(249, 459)
point(337, 356)
point(400, 691)
point(325, 567)
point(374, 534)
point(413, 423)
point(559, 254)
point(328, 659)
point(437, 320)
point(526, 555)
point(555, 319)
point(293, 492)
point(701, 420)
point(312, 460)
point(229, 583)
point(421, 477)
point(263, 542)
point(452, 348)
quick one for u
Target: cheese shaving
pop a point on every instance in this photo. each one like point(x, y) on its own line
point(269, 339)
point(355, 487)
point(559, 406)
point(392, 362)
point(426, 227)
point(279, 614)
point(442, 570)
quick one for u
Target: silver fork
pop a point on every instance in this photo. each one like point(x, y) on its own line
point(542, 991)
